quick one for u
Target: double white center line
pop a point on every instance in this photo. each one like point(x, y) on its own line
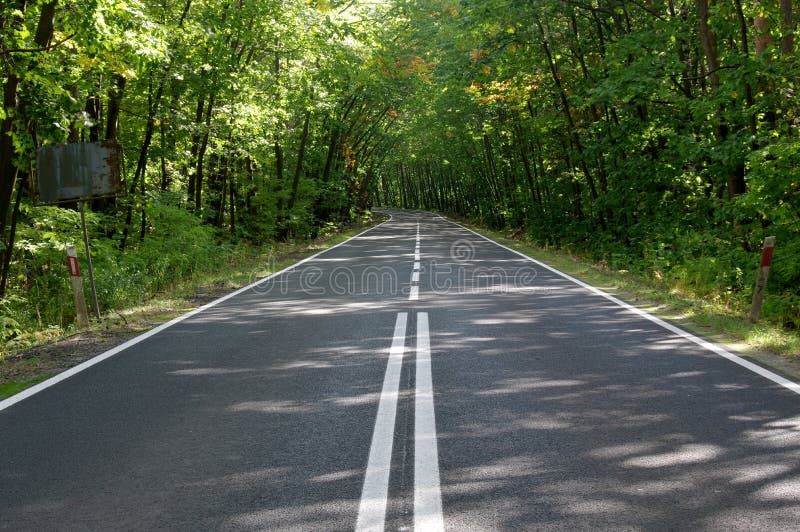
point(374, 494)
point(414, 293)
point(427, 491)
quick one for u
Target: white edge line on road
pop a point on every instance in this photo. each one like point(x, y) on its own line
point(427, 491)
point(375, 492)
point(736, 359)
point(33, 390)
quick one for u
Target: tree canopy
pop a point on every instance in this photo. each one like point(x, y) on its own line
point(655, 135)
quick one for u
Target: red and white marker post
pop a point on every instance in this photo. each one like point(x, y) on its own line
point(77, 286)
point(761, 280)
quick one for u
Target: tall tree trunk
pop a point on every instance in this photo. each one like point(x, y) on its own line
point(141, 163)
point(77, 119)
point(748, 89)
point(94, 113)
point(11, 237)
point(787, 28)
point(762, 37)
point(223, 190)
point(490, 170)
point(195, 148)
point(115, 94)
point(142, 193)
point(762, 41)
point(44, 30)
point(163, 155)
point(573, 131)
point(201, 153)
point(526, 164)
point(279, 174)
point(735, 183)
point(300, 157)
point(336, 137)
point(232, 201)
point(8, 170)
point(332, 148)
point(709, 42)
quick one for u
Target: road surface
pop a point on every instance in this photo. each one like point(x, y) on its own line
point(416, 377)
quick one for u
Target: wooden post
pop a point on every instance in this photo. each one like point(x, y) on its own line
point(77, 286)
point(89, 261)
point(761, 280)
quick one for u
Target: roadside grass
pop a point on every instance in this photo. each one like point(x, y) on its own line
point(21, 366)
point(7, 389)
point(768, 343)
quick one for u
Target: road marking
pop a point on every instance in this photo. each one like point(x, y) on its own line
point(33, 390)
point(374, 494)
point(427, 491)
point(414, 294)
point(705, 344)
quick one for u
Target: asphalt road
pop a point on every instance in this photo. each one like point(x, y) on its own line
point(417, 377)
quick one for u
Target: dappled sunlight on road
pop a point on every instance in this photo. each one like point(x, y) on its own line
point(683, 454)
point(527, 384)
point(294, 518)
point(572, 415)
point(554, 408)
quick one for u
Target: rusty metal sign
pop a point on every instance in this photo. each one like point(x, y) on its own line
point(80, 171)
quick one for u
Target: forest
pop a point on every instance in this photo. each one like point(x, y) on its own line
point(658, 137)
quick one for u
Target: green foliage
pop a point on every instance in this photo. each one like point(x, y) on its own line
point(605, 130)
point(7, 389)
point(178, 246)
point(9, 326)
point(238, 127)
point(598, 127)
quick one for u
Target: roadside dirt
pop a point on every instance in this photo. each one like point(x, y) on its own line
point(49, 359)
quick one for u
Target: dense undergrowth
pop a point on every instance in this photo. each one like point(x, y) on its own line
point(715, 261)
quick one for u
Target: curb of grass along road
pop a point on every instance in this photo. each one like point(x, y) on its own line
point(33, 390)
point(705, 344)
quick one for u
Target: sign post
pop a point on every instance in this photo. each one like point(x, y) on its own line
point(78, 172)
point(761, 280)
point(77, 286)
point(89, 261)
